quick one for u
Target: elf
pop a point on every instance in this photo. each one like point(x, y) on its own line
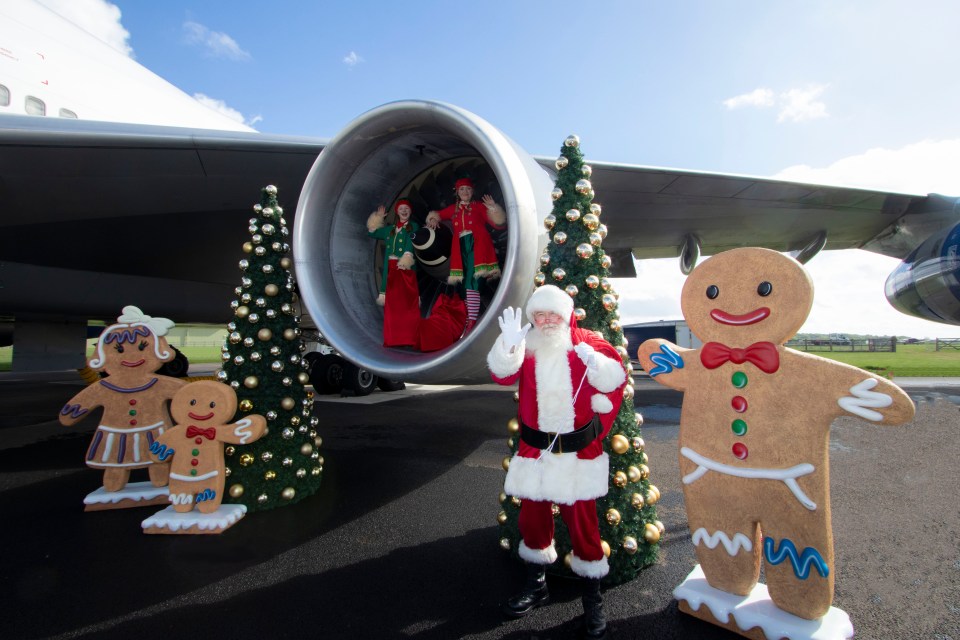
point(399, 292)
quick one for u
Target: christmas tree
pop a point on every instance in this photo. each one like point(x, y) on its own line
point(263, 362)
point(574, 260)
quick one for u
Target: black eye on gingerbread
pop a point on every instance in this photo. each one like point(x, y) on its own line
point(765, 288)
point(143, 345)
point(193, 402)
point(119, 348)
point(713, 291)
point(213, 404)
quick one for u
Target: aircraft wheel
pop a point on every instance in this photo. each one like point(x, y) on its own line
point(360, 381)
point(326, 375)
point(390, 385)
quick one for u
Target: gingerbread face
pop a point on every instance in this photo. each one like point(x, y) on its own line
point(204, 402)
point(130, 351)
point(747, 295)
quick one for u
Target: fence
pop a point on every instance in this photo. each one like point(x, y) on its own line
point(948, 343)
point(869, 345)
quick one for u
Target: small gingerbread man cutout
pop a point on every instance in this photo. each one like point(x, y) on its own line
point(755, 425)
point(201, 412)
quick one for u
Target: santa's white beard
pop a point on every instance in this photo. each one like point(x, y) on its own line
point(549, 339)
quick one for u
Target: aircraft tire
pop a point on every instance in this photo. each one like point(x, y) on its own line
point(390, 385)
point(360, 381)
point(326, 375)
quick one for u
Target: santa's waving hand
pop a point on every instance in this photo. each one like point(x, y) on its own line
point(511, 333)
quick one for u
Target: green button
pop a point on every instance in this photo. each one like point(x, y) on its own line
point(739, 427)
point(195, 452)
point(193, 472)
point(739, 379)
point(133, 412)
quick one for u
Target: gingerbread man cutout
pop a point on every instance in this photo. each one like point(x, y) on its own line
point(133, 397)
point(755, 424)
point(201, 413)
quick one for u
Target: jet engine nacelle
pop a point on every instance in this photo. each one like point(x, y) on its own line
point(373, 160)
point(927, 282)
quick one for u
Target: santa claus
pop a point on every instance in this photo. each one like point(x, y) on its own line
point(570, 386)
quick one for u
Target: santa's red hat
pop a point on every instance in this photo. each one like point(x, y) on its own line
point(401, 201)
point(550, 298)
point(463, 182)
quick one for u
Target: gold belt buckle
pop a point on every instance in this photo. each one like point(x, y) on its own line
point(558, 445)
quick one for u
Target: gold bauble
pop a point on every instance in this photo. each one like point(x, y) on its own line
point(303, 377)
point(630, 545)
point(513, 425)
point(509, 443)
point(596, 209)
point(264, 334)
point(605, 284)
point(619, 444)
point(285, 263)
point(306, 448)
point(573, 140)
point(505, 544)
point(615, 325)
point(659, 526)
point(609, 302)
point(540, 279)
point(246, 459)
point(251, 382)
point(613, 517)
point(271, 290)
point(544, 259)
point(606, 548)
point(516, 397)
point(568, 560)
point(515, 501)
point(605, 262)
point(573, 215)
point(550, 221)
point(559, 274)
point(592, 282)
point(622, 352)
point(236, 490)
point(651, 534)
point(288, 493)
point(502, 497)
point(643, 457)
point(584, 251)
point(595, 239)
point(554, 510)
point(242, 311)
point(248, 247)
point(628, 392)
point(633, 473)
point(505, 463)
point(637, 500)
point(591, 221)
point(620, 479)
point(644, 471)
point(246, 405)
point(580, 314)
point(586, 170)
point(229, 449)
point(583, 186)
point(602, 230)
point(270, 475)
point(652, 495)
point(557, 193)
point(571, 290)
point(561, 162)
point(559, 237)
point(289, 334)
point(288, 403)
point(502, 517)
point(637, 441)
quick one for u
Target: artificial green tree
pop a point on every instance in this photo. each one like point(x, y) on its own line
point(263, 362)
point(574, 260)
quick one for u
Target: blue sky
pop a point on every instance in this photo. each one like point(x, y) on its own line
point(859, 93)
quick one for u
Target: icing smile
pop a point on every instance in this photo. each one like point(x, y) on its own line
point(196, 417)
point(127, 363)
point(751, 317)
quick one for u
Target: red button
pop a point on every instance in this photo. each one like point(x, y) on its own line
point(740, 451)
point(199, 440)
point(133, 422)
point(739, 404)
point(194, 462)
point(132, 402)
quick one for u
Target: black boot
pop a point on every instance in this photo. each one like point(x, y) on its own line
point(594, 622)
point(533, 594)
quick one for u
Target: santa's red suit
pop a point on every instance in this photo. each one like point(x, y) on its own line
point(559, 393)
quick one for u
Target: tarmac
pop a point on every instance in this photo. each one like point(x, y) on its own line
point(401, 540)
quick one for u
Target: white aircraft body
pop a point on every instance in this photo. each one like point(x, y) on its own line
point(129, 191)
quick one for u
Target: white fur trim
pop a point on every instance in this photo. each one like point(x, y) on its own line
point(454, 279)
point(501, 362)
point(561, 478)
point(554, 391)
point(589, 568)
point(600, 403)
point(538, 556)
point(405, 261)
point(609, 374)
point(374, 222)
point(550, 298)
point(381, 299)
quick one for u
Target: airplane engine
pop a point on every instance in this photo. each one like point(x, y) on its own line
point(377, 158)
point(927, 282)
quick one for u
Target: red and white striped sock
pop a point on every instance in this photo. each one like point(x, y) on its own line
point(473, 304)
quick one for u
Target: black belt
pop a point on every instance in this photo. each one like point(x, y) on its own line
point(566, 442)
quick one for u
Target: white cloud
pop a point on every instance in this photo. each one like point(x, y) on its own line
point(216, 43)
point(794, 105)
point(99, 18)
point(848, 284)
point(352, 59)
point(221, 107)
point(757, 98)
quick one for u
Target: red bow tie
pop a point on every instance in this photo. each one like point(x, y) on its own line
point(209, 434)
point(762, 354)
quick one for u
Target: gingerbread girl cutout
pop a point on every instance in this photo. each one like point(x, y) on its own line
point(754, 431)
point(134, 400)
point(201, 413)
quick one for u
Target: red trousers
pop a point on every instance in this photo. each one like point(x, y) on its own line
point(536, 527)
point(401, 311)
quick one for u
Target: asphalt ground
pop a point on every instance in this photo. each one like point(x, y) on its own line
point(401, 540)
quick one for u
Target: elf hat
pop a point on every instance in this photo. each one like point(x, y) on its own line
point(463, 182)
point(401, 201)
point(550, 298)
